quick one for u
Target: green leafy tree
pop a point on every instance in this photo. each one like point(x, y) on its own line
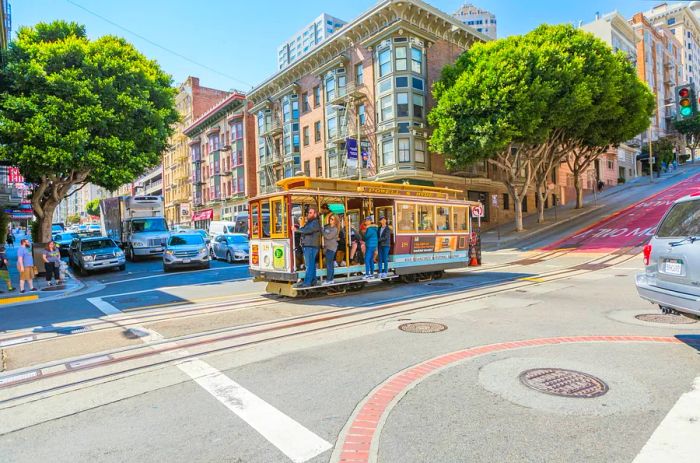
point(690, 130)
point(73, 219)
point(93, 207)
point(74, 110)
point(663, 150)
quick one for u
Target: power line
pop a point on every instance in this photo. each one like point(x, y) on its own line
point(179, 55)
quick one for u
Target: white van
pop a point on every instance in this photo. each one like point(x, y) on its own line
point(221, 227)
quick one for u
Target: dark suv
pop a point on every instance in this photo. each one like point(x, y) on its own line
point(94, 253)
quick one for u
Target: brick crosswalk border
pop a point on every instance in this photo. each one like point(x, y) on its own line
point(359, 440)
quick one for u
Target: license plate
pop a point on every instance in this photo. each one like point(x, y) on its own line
point(673, 267)
point(186, 261)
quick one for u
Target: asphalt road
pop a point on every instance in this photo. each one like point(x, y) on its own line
point(218, 371)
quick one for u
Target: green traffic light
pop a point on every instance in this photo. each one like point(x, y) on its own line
point(686, 111)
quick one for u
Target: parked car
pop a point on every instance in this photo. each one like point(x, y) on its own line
point(232, 247)
point(185, 250)
point(221, 227)
point(672, 260)
point(57, 227)
point(63, 241)
point(205, 235)
point(94, 228)
point(94, 253)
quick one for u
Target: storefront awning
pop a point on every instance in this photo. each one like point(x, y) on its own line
point(204, 214)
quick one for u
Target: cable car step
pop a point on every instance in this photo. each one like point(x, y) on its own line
point(345, 281)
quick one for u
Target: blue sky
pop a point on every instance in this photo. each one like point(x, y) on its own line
point(237, 39)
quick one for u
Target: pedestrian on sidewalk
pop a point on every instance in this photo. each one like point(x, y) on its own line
point(4, 269)
point(384, 243)
point(310, 241)
point(371, 239)
point(25, 265)
point(330, 247)
point(52, 262)
point(11, 239)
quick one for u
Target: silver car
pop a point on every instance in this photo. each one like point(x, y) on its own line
point(233, 247)
point(185, 250)
point(672, 260)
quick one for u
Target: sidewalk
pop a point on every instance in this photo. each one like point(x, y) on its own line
point(44, 291)
point(555, 217)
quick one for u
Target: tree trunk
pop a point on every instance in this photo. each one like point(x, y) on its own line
point(578, 184)
point(45, 222)
point(518, 209)
point(541, 194)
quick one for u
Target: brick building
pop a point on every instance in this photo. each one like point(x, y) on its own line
point(368, 85)
point(192, 101)
point(222, 158)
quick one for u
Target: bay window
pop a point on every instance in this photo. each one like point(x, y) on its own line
point(388, 152)
point(404, 150)
point(386, 108)
point(402, 104)
point(384, 62)
point(416, 60)
point(418, 102)
point(401, 59)
point(419, 148)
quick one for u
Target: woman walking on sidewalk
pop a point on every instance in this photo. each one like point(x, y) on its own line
point(4, 269)
point(25, 265)
point(10, 239)
point(52, 262)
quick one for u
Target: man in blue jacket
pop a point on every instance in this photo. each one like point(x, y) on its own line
point(371, 238)
point(310, 242)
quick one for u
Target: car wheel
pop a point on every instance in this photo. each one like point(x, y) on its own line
point(122, 267)
point(212, 254)
point(166, 269)
point(229, 258)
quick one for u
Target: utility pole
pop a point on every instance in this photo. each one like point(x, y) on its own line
point(359, 144)
point(651, 158)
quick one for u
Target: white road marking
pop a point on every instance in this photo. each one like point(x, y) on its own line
point(162, 274)
point(12, 342)
point(676, 438)
point(289, 436)
point(105, 307)
point(18, 377)
point(89, 361)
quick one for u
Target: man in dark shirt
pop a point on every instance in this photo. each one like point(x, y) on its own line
point(310, 242)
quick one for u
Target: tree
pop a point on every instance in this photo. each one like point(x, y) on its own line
point(690, 129)
point(514, 101)
point(74, 110)
point(73, 219)
point(662, 151)
point(93, 207)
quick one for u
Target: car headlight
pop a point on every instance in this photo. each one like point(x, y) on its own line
point(88, 258)
point(169, 252)
point(203, 251)
point(119, 254)
point(137, 244)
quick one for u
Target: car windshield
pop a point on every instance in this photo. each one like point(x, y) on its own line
point(683, 220)
point(237, 239)
point(97, 244)
point(148, 225)
point(180, 240)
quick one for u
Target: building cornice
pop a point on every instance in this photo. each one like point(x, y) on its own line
point(232, 102)
point(414, 14)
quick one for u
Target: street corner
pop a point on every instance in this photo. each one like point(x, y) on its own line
point(542, 390)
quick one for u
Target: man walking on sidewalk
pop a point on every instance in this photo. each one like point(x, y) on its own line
point(25, 265)
point(4, 270)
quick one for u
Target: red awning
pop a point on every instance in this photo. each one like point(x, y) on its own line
point(204, 214)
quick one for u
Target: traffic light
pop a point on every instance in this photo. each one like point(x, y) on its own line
point(685, 102)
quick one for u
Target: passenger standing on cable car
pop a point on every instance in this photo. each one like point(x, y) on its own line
point(330, 246)
point(384, 243)
point(371, 238)
point(310, 241)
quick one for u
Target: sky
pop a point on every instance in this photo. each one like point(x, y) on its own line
point(233, 43)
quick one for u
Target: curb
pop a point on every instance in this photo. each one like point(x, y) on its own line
point(358, 441)
point(22, 300)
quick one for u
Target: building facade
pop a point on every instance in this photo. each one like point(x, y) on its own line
point(5, 23)
point(369, 87)
point(75, 203)
point(192, 100)
point(150, 183)
point(221, 147)
point(481, 20)
point(307, 39)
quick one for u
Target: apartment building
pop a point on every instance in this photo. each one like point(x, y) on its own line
point(222, 155)
point(5, 23)
point(307, 39)
point(369, 86)
point(481, 20)
point(150, 183)
point(681, 20)
point(75, 203)
point(192, 100)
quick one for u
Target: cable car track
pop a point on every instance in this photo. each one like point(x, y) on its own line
point(338, 318)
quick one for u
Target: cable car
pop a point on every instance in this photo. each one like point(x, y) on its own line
point(431, 231)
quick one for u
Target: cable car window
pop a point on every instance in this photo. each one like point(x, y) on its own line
point(426, 221)
point(459, 215)
point(385, 212)
point(406, 216)
point(279, 218)
point(254, 218)
point(442, 218)
point(265, 208)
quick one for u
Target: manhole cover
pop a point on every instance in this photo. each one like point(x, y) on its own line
point(440, 284)
point(422, 327)
point(668, 318)
point(564, 383)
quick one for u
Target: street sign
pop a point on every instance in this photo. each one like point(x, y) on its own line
point(494, 200)
point(478, 211)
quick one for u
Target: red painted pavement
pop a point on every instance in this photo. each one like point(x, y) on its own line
point(630, 227)
point(359, 441)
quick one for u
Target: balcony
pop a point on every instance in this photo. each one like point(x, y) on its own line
point(272, 129)
point(350, 91)
point(338, 137)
